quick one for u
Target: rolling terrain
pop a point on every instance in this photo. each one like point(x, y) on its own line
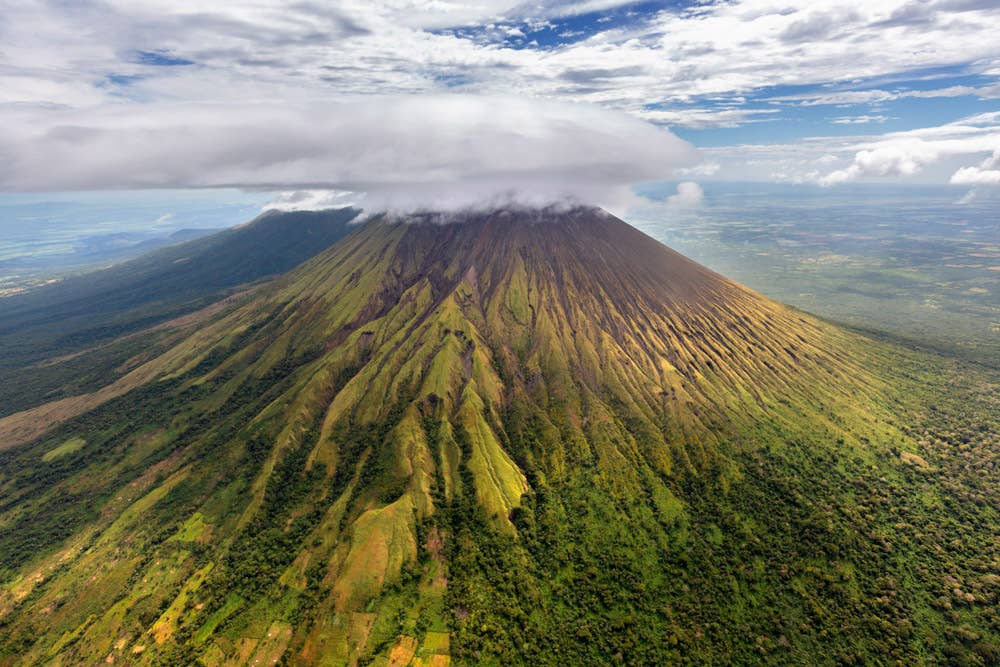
point(518, 436)
point(915, 263)
point(83, 313)
point(90, 253)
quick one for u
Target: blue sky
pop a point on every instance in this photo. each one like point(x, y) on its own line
point(395, 97)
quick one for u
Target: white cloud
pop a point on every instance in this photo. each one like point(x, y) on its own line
point(81, 64)
point(263, 49)
point(689, 195)
point(700, 119)
point(900, 158)
point(841, 98)
point(703, 169)
point(859, 120)
point(749, 44)
point(986, 173)
point(976, 176)
point(311, 200)
point(451, 13)
point(907, 153)
point(877, 96)
point(922, 155)
point(401, 150)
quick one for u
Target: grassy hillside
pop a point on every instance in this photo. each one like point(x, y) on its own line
point(526, 437)
point(98, 307)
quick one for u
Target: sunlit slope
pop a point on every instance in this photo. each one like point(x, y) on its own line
point(514, 437)
point(83, 310)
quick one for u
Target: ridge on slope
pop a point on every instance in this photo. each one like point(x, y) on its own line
point(521, 437)
point(166, 282)
point(92, 309)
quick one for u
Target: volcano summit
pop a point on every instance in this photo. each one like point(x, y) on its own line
point(517, 436)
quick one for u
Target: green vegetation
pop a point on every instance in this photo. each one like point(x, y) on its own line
point(914, 262)
point(68, 447)
point(85, 311)
point(509, 442)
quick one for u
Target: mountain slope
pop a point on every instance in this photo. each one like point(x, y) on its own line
point(83, 311)
point(91, 252)
point(514, 437)
point(270, 244)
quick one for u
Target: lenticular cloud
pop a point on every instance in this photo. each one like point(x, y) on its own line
point(416, 150)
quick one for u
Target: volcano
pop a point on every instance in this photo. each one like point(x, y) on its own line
point(515, 436)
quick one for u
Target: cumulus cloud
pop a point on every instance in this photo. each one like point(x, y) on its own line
point(689, 195)
point(907, 153)
point(930, 154)
point(900, 159)
point(976, 176)
point(987, 173)
point(433, 150)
